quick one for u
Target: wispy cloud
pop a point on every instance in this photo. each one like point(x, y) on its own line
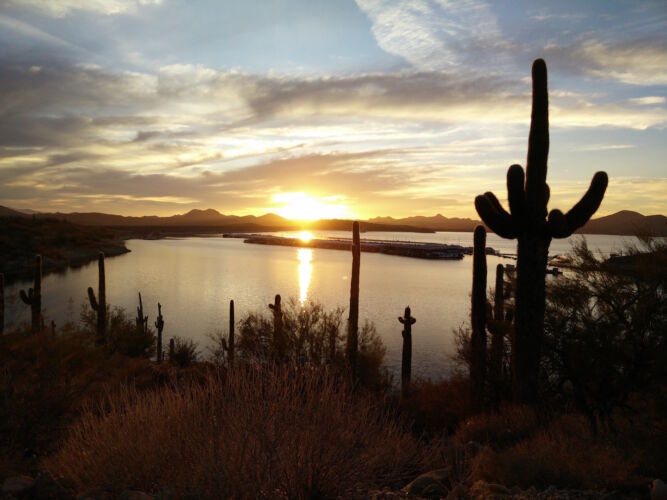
point(61, 8)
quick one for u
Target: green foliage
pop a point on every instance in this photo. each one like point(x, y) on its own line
point(606, 328)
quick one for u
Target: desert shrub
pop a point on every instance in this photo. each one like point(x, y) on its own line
point(183, 352)
point(261, 431)
point(500, 428)
point(312, 338)
point(123, 335)
point(566, 452)
point(605, 327)
point(46, 379)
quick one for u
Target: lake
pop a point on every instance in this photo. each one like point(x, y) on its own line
point(194, 279)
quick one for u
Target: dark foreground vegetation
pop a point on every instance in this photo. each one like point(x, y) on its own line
point(563, 391)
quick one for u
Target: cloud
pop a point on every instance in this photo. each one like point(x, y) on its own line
point(61, 8)
point(636, 62)
point(432, 34)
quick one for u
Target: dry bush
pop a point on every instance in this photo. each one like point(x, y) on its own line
point(566, 453)
point(498, 429)
point(436, 407)
point(262, 431)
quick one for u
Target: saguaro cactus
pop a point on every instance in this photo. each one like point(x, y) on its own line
point(2, 303)
point(278, 337)
point(100, 306)
point(353, 320)
point(478, 320)
point(498, 326)
point(527, 222)
point(141, 320)
point(159, 325)
point(406, 360)
point(33, 297)
point(230, 347)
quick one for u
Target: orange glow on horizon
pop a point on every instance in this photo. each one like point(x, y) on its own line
point(302, 206)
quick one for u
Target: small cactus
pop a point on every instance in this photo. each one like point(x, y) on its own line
point(478, 320)
point(100, 306)
point(33, 297)
point(353, 320)
point(159, 325)
point(527, 221)
point(2, 303)
point(279, 341)
point(406, 360)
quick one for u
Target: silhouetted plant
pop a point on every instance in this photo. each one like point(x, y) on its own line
point(279, 340)
point(499, 326)
point(100, 307)
point(159, 325)
point(527, 222)
point(123, 336)
point(605, 327)
point(183, 352)
point(141, 320)
point(353, 319)
point(2, 303)
point(406, 357)
point(478, 320)
point(34, 296)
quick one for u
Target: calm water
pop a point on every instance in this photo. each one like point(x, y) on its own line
point(194, 279)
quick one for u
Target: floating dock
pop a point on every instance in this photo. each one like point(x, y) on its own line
point(419, 250)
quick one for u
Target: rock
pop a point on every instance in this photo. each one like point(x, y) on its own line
point(135, 495)
point(472, 448)
point(482, 490)
point(95, 495)
point(658, 490)
point(17, 485)
point(430, 485)
point(458, 493)
point(47, 487)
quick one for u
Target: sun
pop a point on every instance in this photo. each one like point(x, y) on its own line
point(302, 206)
point(305, 236)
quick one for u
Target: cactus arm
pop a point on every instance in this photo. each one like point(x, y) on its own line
point(515, 193)
point(26, 298)
point(401, 321)
point(558, 227)
point(579, 214)
point(499, 222)
point(562, 226)
point(91, 298)
point(538, 141)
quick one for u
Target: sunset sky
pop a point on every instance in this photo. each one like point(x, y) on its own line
point(334, 108)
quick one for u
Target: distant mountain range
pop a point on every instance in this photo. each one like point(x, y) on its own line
point(624, 222)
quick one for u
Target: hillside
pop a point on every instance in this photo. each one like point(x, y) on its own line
point(60, 243)
point(627, 222)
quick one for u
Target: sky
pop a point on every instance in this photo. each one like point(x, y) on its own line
point(324, 108)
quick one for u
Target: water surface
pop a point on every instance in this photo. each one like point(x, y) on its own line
point(194, 279)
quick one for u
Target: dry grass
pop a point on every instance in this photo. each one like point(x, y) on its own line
point(257, 432)
point(564, 452)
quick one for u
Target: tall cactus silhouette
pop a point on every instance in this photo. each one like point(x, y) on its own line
point(100, 306)
point(279, 341)
point(406, 359)
point(33, 297)
point(498, 325)
point(478, 320)
point(527, 221)
point(141, 320)
point(2, 303)
point(353, 320)
point(159, 326)
point(230, 346)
